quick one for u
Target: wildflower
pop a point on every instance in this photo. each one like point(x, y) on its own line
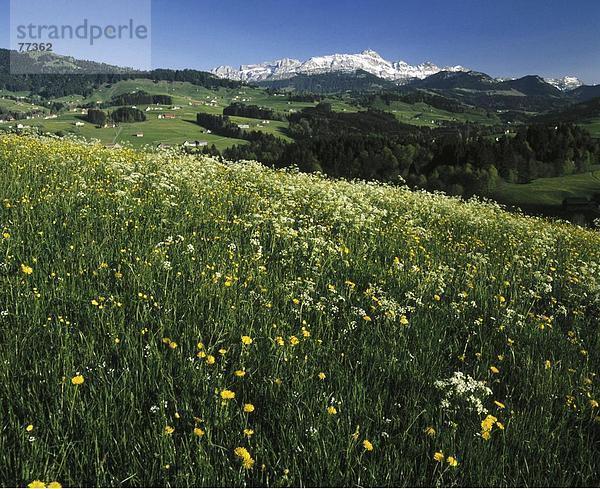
point(294, 341)
point(404, 320)
point(430, 431)
point(210, 360)
point(245, 457)
point(499, 404)
point(172, 345)
point(27, 270)
point(280, 341)
point(169, 430)
point(36, 484)
point(77, 380)
point(248, 432)
point(452, 462)
point(239, 373)
point(494, 370)
point(199, 432)
point(438, 456)
point(437, 298)
point(367, 318)
point(547, 365)
point(332, 410)
point(227, 395)
point(248, 408)
point(246, 340)
point(54, 485)
point(594, 404)
point(367, 445)
point(322, 376)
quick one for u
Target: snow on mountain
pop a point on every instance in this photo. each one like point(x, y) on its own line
point(368, 61)
point(566, 83)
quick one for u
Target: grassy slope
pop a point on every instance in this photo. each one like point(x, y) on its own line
point(550, 192)
point(381, 289)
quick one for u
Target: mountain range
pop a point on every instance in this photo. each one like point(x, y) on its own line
point(367, 61)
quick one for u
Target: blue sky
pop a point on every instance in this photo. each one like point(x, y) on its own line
point(502, 38)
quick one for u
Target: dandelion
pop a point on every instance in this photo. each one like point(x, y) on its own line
point(430, 431)
point(227, 395)
point(367, 445)
point(239, 373)
point(294, 341)
point(29, 428)
point(452, 462)
point(210, 360)
point(36, 484)
point(403, 320)
point(27, 270)
point(494, 370)
point(248, 408)
point(248, 432)
point(199, 432)
point(594, 404)
point(77, 380)
point(322, 376)
point(246, 340)
point(331, 410)
point(169, 430)
point(54, 485)
point(547, 365)
point(245, 457)
point(438, 456)
point(499, 404)
point(280, 341)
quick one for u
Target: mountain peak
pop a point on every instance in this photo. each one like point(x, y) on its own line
point(368, 60)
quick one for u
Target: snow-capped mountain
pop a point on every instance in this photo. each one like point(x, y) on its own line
point(368, 61)
point(566, 83)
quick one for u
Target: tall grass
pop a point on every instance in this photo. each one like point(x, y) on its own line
point(128, 280)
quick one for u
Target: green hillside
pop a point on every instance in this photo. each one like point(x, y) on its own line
point(168, 320)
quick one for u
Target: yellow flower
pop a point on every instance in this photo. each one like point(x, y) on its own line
point(332, 410)
point(438, 456)
point(280, 341)
point(36, 484)
point(27, 270)
point(54, 485)
point(488, 423)
point(227, 395)
point(199, 432)
point(486, 435)
point(547, 365)
point(452, 462)
point(210, 360)
point(172, 345)
point(500, 425)
point(245, 457)
point(594, 404)
point(367, 445)
point(239, 373)
point(248, 432)
point(430, 431)
point(294, 341)
point(499, 404)
point(403, 320)
point(366, 318)
point(246, 340)
point(77, 380)
point(494, 370)
point(200, 345)
point(322, 376)
point(29, 428)
point(169, 430)
point(248, 408)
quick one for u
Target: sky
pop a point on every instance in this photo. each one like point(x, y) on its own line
point(501, 38)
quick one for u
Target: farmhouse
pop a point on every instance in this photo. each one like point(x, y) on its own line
point(139, 135)
point(244, 126)
point(79, 124)
point(195, 144)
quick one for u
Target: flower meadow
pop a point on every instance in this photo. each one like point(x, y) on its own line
point(171, 320)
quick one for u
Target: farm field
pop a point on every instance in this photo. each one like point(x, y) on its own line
point(170, 320)
point(191, 98)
